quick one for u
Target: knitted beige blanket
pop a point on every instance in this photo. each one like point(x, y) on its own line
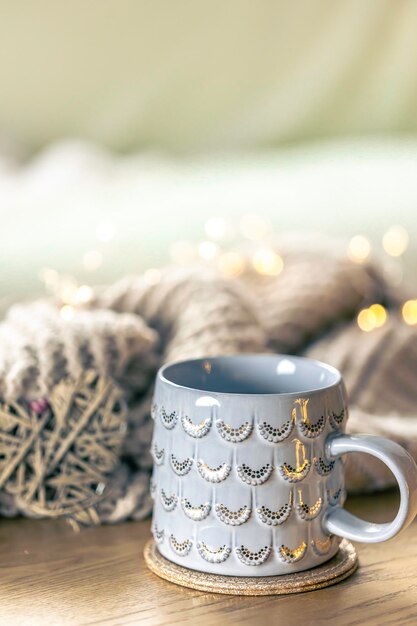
point(75, 422)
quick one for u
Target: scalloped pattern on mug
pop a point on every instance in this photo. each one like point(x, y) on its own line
point(213, 474)
point(234, 435)
point(196, 513)
point(159, 535)
point(323, 468)
point(168, 502)
point(336, 419)
point(274, 435)
point(295, 474)
point(333, 498)
point(158, 455)
point(322, 546)
point(247, 557)
point(275, 518)
point(169, 419)
point(181, 467)
point(181, 548)
point(196, 430)
point(233, 518)
point(310, 430)
point(213, 555)
point(306, 512)
point(292, 556)
point(254, 476)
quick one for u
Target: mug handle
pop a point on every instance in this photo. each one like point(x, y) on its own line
point(342, 523)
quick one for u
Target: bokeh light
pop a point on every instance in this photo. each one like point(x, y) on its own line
point(67, 312)
point(359, 248)
point(366, 320)
point(267, 262)
point(395, 241)
point(379, 313)
point(409, 312)
point(84, 294)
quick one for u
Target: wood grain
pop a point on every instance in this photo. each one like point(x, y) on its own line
point(53, 576)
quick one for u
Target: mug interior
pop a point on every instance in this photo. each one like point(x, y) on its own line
point(252, 374)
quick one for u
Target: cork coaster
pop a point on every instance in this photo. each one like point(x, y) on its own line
point(342, 565)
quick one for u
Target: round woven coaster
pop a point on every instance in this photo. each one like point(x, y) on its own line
point(342, 565)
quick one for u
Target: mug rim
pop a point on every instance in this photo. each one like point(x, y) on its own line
point(161, 375)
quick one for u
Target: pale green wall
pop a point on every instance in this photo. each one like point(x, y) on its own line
point(198, 75)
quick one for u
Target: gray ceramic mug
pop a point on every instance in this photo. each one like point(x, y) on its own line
point(248, 474)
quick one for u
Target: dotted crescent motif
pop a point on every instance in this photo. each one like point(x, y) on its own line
point(274, 518)
point(213, 474)
point(234, 435)
point(323, 468)
point(180, 467)
point(169, 420)
point(254, 477)
point(158, 454)
point(233, 518)
point(181, 548)
point(309, 513)
point(196, 513)
point(322, 546)
point(295, 474)
point(292, 556)
point(336, 419)
point(196, 430)
point(213, 555)
point(334, 498)
point(168, 502)
point(253, 558)
point(274, 435)
point(312, 430)
point(159, 535)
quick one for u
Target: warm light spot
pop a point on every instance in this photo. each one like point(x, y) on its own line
point(379, 313)
point(253, 227)
point(359, 248)
point(231, 264)
point(105, 231)
point(182, 252)
point(395, 241)
point(84, 294)
point(152, 276)
point(68, 292)
point(208, 250)
point(409, 312)
point(366, 320)
point(67, 312)
point(49, 276)
point(215, 228)
point(267, 262)
point(207, 367)
point(92, 260)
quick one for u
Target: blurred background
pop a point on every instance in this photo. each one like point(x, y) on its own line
point(135, 134)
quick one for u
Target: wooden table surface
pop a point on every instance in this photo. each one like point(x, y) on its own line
point(52, 575)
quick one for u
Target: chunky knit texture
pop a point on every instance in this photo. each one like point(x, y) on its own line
point(132, 327)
